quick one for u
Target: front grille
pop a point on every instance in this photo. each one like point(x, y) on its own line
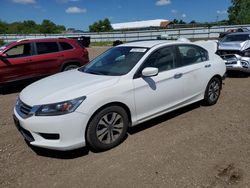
point(228, 52)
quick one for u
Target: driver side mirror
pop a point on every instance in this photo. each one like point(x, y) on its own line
point(150, 71)
point(2, 56)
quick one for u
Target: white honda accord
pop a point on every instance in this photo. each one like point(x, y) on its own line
point(127, 85)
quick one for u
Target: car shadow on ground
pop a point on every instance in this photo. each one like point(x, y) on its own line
point(237, 74)
point(131, 131)
point(162, 118)
point(16, 87)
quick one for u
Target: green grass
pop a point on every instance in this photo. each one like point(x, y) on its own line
point(1, 42)
point(101, 43)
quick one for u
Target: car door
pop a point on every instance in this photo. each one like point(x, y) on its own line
point(193, 67)
point(47, 59)
point(15, 63)
point(157, 94)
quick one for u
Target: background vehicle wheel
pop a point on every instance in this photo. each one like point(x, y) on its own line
point(108, 128)
point(212, 92)
point(70, 67)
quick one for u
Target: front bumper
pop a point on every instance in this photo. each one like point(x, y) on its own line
point(65, 132)
point(237, 63)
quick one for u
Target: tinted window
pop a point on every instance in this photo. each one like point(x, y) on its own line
point(46, 47)
point(21, 50)
point(66, 46)
point(190, 54)
point(163, 59)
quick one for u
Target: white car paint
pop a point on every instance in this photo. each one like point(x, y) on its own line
point(145, 97)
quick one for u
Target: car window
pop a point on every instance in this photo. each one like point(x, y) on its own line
point(163, 59)
point(21, 50)
point(46, 47)
point(116, 61)
point(236, 38)
point(66, 46)
point(190, 54)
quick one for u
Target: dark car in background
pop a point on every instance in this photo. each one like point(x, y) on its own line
point(237, 30)
point(33, 58)
point(234, 48)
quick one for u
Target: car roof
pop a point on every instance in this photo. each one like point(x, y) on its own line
point(42, 39)
point(150, 43)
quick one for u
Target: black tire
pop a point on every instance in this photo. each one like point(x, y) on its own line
point(70, 67)
point(107, 128)
point(212, 92)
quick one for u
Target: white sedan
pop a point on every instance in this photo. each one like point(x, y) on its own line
point(127, 85)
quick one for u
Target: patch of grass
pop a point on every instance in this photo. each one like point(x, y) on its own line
point(101, 43)
point(1, 42)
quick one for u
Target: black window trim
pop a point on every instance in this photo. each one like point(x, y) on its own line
point(175, 48)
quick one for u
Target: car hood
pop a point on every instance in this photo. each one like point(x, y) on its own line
point(234, 45)
point(65, 86)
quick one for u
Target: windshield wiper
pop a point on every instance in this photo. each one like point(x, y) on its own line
point(94, 72)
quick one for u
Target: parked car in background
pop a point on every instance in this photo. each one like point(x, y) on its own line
point(235, 50)
point(29, 58)
point(125, 86)
point(242, 29)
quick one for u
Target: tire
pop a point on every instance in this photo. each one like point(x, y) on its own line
point(107, 128)
point(212, 92)
point(70, 67)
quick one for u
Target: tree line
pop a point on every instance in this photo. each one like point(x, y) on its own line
point(238, 13)
point(30, 27)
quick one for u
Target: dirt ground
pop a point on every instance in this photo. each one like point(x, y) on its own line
point(196, 146)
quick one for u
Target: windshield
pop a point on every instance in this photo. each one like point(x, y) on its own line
point(236, 38)
point(115, 62)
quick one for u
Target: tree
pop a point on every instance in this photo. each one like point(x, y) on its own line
point(3, 27)
point(239, 12)
point(101, 26)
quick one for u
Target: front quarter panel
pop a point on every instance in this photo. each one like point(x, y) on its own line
point(121, 92)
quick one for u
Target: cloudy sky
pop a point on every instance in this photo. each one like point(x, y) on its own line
point(80, 14)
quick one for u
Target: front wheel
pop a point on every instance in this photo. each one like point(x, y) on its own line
point(70, 67)
point(107, 128)
point(212, 92)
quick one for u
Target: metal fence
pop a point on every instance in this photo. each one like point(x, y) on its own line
point(190, 33)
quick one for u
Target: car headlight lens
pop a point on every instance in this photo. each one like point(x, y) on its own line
point(60, 108)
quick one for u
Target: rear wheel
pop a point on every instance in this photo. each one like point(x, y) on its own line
point(108, 128)
point(212, 92)
point(70, 67)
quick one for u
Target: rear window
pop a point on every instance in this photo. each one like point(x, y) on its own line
point(66, 46)
point(236, 38)
point(46, 47)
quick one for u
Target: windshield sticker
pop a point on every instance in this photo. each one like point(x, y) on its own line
point(140, 50)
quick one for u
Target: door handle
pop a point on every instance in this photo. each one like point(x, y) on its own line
point(178, 75)
point(29, 60)
point(60, 56)
point(208, 65)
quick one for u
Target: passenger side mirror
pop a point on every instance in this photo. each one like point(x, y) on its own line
point(3, 56)
point(150, 71)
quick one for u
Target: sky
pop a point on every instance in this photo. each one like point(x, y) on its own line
point(79, 14)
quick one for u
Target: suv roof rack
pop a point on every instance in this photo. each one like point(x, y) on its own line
point(27, 39)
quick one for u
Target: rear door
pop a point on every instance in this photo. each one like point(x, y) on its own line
point(16, 64)
point(47, 59)
point(193, 66)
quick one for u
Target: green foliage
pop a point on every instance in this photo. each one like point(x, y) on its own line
point(239, 12)
point(101, 26)
point(30, 27)
point(1, 42)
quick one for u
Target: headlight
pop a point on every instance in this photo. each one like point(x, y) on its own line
point(60, 108)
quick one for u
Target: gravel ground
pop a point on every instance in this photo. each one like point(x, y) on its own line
point(192, 147)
